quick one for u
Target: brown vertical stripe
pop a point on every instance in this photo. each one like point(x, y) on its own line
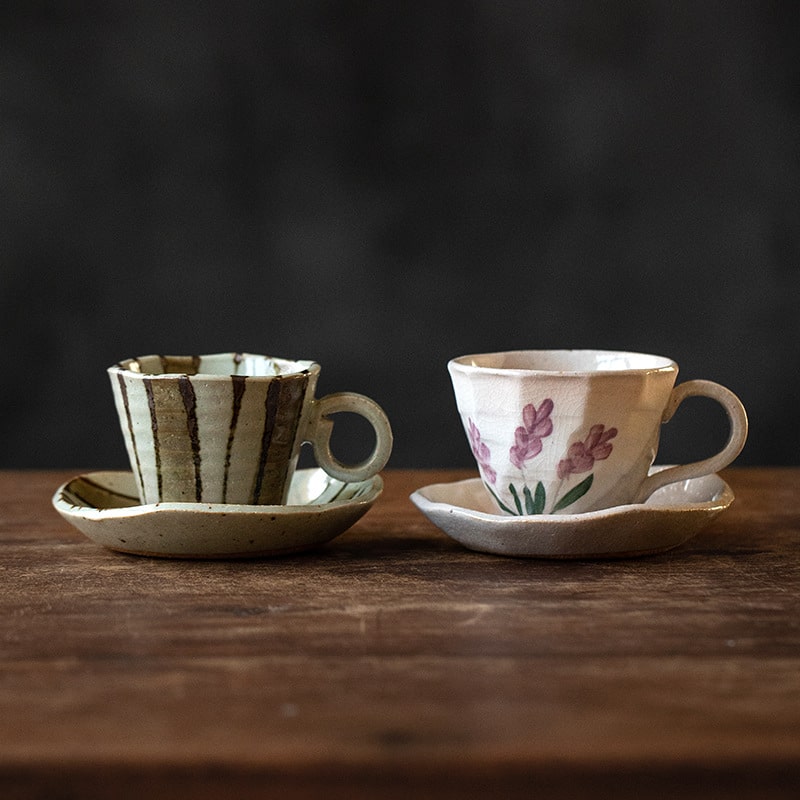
point(124, 392)
point(293, 391)
point(282, 421)
point(239, 385)
point(151, 403)
point(190, 404)
point(271, 410)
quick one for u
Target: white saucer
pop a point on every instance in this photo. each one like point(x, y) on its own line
point(465, 511)
point(105, 507)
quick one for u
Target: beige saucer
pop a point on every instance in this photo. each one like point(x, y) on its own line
point(671, 516)
point(105, 507)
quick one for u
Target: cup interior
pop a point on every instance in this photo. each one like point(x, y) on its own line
point(215, 364)
point(566, 361)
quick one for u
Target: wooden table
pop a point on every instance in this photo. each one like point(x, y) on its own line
point(393, 663)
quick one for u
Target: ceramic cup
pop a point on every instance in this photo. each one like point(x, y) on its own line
point(570, 431)
point(228, 427)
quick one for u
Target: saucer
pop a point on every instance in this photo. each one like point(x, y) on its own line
point(671, 516)
point(105, 507)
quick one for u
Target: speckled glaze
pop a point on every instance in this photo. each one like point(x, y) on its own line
point(228, 427)
point(105, 507)
point(573, 431)
point(670, 517)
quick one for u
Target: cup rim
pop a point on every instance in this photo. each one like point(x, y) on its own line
point(650, 363)
point(285, 367)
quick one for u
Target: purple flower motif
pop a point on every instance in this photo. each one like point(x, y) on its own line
point(481, 452)
point(536, 424)
point(582, 455)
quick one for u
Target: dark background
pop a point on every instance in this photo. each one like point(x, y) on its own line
point(381, 186)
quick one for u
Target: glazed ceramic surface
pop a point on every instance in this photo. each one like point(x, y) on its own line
point(228, 427)
point(671, 516)
point(573, 431)
point(105, 507)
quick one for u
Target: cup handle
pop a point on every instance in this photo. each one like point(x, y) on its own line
point(737, 417)
point(321, 427)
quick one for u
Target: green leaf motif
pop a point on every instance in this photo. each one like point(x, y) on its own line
point(534, 501)
point(517, 503)
point(575, 493)
point(528, 500)
point(539, 499)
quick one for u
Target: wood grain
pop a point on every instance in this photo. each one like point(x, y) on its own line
point(392, 662)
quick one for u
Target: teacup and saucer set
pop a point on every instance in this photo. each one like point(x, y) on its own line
point(564, 441)
point(213, 443)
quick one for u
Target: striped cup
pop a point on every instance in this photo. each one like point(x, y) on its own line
point(228, 427)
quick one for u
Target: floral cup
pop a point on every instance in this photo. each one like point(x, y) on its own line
point(570, 431)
